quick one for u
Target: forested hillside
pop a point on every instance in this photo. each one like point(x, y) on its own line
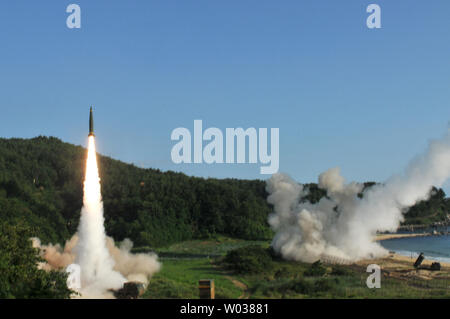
point(41, 183)
point(41, 186)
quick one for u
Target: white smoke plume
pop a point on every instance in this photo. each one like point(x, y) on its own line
point(133, 267)
point(342, 225)
point(103, 266)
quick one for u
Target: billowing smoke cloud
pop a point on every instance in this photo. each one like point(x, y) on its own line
point(342, 225)
point(132, 267)
point(103, 266)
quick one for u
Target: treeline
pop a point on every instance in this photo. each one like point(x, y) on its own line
point(435, 209)
point(41, 185)
point(19, 276)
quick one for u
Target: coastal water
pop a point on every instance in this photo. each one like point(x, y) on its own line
point(433, 247)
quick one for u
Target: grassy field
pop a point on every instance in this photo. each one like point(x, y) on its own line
point(202, 248)
point(339, 282)
point(179, 279)
point(184, 264)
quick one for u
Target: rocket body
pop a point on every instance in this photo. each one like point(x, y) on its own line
point(91, 123)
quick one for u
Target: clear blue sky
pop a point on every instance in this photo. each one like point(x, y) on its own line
point(341, 94)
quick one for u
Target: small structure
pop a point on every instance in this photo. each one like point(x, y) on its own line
point(206, 288)
point(130, 290)
point(419, 260)
point(435, 266)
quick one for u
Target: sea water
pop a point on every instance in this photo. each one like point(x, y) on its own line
point(433, 247)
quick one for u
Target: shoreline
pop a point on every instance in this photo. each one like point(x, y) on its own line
point(426, 262)
point(400, 262)
point(400, 258)
point(380, 237)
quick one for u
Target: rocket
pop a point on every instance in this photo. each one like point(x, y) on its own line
point(91, 123)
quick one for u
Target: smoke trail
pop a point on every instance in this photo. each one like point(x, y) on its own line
point(342, 224)
point(103, 265)
point(134, 267)
point(97, 273)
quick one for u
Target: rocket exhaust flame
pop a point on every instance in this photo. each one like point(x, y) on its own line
point(97, 273)
point(92, 180)
point(103, 266)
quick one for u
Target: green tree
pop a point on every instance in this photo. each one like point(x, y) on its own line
point(41, 185)
point(249, 260)
point(19, 274)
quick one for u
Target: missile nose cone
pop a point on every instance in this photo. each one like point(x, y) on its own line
point(91, 123)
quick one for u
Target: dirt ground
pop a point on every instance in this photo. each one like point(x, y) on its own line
point(402, 267)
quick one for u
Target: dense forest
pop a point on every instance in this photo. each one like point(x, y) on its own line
point(41, 186)
point(19, 276)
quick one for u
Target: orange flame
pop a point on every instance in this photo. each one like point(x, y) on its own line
point(92, 194)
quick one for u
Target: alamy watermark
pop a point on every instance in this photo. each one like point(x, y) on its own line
point(231, 150)
point(74, 276)
point(374, 280)
point(73, 21)
point(373, 21)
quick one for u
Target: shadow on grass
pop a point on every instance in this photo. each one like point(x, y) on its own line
point(185, 255)
point(209, 270)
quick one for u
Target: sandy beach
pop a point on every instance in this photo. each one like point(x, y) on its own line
point(399, 266)
point(395, 236)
